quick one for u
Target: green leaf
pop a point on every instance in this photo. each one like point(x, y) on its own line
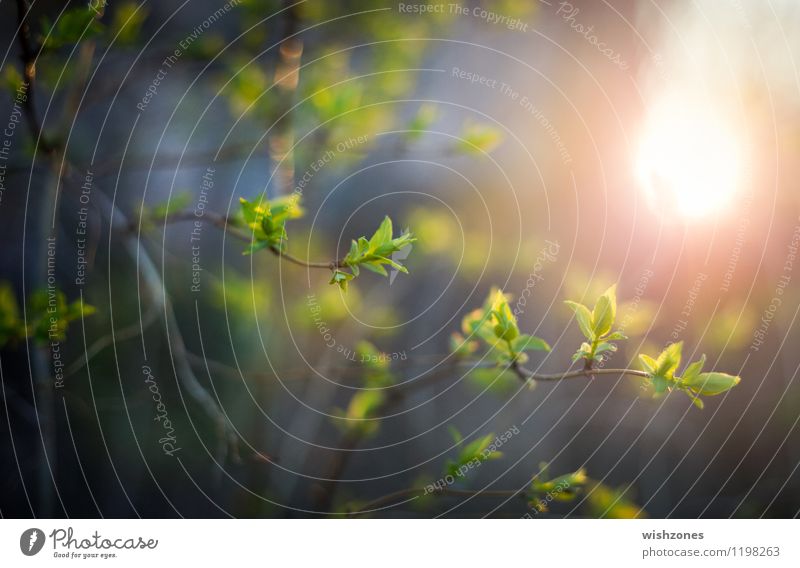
point(176, 203)
point(477, 451)
point(376, 268)
point(668, 361)
point(421, 121)
point(73, 25)
point(570, 481)
point(585, 352)
point(529, 343)
point(341, 278)
point(616, 336)
point(376, 253)
point(609, 503)
point(660, 384)
point(584, 317)
point(710, 384)
point(11, 326)
point(127, 22)
point(382, 235)
point(604, 346)
point(648, 363)
point(477, 138)
point(697, 401)
point(694, 369)
point(457, 437)
point(50, 315)
point(605, 312)
point(13, 79)
point(460, 346)
point(267, 220)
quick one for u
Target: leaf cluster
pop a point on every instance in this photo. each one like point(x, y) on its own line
point(48, 315)
point(596, 327)
point(73, 25)
point(475, 452)
point(694, 382)
point(267, 221)
point(373, 254)
point(356, 419)
point(495, 327)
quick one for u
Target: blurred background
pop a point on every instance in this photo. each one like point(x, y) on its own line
point(551, 149)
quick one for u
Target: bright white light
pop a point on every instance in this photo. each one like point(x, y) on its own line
point(690, 160)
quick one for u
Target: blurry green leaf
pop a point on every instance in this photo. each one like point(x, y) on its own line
point(528, 342)
point(476, 138)
point(421, 121)
point(572, 481)
point(13, 79)
point(476, 452)
point(460, 346)
point(74, 24)
point(605, 502)
point(50, 314)
point(376, 364)
point(500, 381)
point(127, 22)
point(11, 326)
point(177, 202)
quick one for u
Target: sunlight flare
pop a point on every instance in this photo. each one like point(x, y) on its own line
point(689, 160)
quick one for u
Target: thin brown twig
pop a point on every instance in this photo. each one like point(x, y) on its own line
point(230, 226)
point(29, 55)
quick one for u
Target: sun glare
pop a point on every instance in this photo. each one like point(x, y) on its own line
point(689, 160)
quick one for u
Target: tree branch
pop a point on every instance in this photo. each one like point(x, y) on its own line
point(230, 226)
